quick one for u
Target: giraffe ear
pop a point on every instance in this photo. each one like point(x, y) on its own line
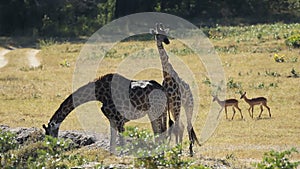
point(152, 31)
point(167, 30)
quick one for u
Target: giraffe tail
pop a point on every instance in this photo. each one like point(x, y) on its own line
point(171, 122)
point(194, 136)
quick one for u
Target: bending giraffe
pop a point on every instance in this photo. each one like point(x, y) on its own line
point(122, 100)
point(178, 91)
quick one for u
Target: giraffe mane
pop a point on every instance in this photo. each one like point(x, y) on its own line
point(103, 76)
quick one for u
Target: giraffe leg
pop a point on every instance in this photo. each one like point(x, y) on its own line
point(121, 129)
point(113, 138)
point(188, 106)
point(176, 114)
point(113, 130)
point(158, 115)
point(164, 120)
point(180, 131)
point(156, 127)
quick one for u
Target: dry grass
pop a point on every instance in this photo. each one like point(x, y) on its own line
point(30, 97)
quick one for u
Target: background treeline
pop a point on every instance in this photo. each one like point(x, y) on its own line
point(83, 17)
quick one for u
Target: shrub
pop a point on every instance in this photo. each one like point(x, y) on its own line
point(273, 74)
point(207, 81)
point(274, 159)
point(153, 155)
point(233, 85)
point(49, 153)
point(65, 63)
point(7, 141)
point(43, 43)
point(279, 58)
point(293, 41)
point(294, 73)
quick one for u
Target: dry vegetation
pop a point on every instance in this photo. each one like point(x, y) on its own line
point(29, 96)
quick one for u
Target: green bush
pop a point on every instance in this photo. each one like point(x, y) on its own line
point(233, 85)
point(7, 142)
point(153, 155)
point(49, 153)
point(271, 73)
point(274, 160)
point(293, 41)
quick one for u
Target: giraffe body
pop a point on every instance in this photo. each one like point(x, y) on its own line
point(122, 100)
point(178, 91)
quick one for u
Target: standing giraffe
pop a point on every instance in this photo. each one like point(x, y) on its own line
point(178, 91)
point(122, 100)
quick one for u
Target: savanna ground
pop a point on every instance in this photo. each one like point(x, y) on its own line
point(29, 97)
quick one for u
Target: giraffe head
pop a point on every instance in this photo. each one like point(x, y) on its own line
point(160, 33)
point(52, 129)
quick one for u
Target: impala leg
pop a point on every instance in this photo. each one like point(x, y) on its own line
point(226, 112)
point(261, 110)
point(265, 104)
point(220, 113)
point(240, 111)
point(233, 113)
point(249, 112)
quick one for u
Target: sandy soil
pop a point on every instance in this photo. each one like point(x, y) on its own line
point(30, 55)
point(3, 61)
point(32, 59)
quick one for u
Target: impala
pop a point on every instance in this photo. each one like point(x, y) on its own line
point(226, 103)
point(262, 101)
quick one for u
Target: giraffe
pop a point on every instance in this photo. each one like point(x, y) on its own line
point(178, 91)
point(122, 100)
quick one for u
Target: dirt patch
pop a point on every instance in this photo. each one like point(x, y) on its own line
point(32, 59)
point(3, 61)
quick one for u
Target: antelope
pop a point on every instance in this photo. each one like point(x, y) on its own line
point(262, 101)
point(226, 103)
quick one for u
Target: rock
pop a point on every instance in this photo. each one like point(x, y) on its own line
point(78, 137)
point(25, 134)
point(4, 127)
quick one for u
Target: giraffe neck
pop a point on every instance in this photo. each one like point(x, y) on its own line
point(168, 70)
point(164, 58)
point(84, 94)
